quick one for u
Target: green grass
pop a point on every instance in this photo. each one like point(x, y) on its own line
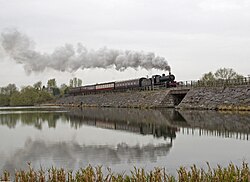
point(230, 173)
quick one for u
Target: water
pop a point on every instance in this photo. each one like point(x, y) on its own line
point(121, 138)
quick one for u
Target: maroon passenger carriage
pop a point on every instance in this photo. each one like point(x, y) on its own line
point(105, 86)
point(87, 89)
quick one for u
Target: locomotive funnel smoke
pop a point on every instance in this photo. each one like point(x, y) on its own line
point(69, 58)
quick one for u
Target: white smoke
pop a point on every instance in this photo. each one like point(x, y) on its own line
point(69, 58)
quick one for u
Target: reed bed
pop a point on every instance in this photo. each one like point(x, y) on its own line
point(230, 173)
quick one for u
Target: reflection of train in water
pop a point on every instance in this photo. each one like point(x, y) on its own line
point(106, 120)
point(141, 128)
point(139, 83)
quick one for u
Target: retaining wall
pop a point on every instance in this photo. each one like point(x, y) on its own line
point(130, 99)
point(217, 98)
point(212, 98)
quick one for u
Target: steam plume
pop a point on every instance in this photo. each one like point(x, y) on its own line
point(69, 58)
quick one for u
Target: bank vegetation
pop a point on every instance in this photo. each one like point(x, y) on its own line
point(230, 173)
point(10, 95)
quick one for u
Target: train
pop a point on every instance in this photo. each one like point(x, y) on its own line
point(133, 84)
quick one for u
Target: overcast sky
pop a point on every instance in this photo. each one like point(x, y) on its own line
point(195, 36)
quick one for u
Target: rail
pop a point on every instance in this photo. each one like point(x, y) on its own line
point(215, 83)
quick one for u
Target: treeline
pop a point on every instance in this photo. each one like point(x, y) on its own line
point(221, 74)
point(36, 94)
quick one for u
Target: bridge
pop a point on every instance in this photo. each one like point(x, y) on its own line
point(178, 94)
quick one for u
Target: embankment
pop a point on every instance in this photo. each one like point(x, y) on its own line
point(130, 99)
point(218, 98)
point(201, 98)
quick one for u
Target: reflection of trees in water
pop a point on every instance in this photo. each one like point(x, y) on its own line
point(31, 119)
point(143, 122)
point(72, 154)
point(161, 122)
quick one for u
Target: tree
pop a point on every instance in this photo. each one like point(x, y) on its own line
point(208, 77)
point(63, 86)
point(221, 74)
point(4, 100)
point(6, 93)
point(56, 91)
point(226, 74)
point(239, 77)
point(63, 89)
point(9, 89)
point(38, 85)
point(79, 82)
point(51, 83)
point(29, 96)
point(75, 82)
point(71, 83)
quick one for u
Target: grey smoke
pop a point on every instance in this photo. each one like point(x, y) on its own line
point(70, 154)
point(69, 58)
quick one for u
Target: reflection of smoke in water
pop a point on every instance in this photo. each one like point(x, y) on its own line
point(69, 58)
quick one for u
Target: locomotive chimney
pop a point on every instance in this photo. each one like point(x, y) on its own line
point(169, 69)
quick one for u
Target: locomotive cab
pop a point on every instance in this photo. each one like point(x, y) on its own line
point(156, 79)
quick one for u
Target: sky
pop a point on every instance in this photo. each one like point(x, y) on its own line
point(194, 36)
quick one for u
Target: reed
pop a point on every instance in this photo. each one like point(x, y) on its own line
point(230, 173)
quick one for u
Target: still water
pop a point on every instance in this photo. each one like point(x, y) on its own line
point(121, 138)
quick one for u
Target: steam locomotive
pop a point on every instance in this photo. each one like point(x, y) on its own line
point(139, 83)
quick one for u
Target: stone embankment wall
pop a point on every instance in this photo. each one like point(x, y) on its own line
point(130, 99)
point(212, 98)
point(217, 98)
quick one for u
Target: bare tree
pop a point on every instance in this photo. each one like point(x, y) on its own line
point(226, 74)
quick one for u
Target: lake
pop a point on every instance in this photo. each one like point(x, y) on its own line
point(121, 138)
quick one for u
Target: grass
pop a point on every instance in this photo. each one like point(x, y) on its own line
point(193, 174)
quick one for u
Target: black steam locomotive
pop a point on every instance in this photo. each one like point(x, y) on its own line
point(139, 83)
